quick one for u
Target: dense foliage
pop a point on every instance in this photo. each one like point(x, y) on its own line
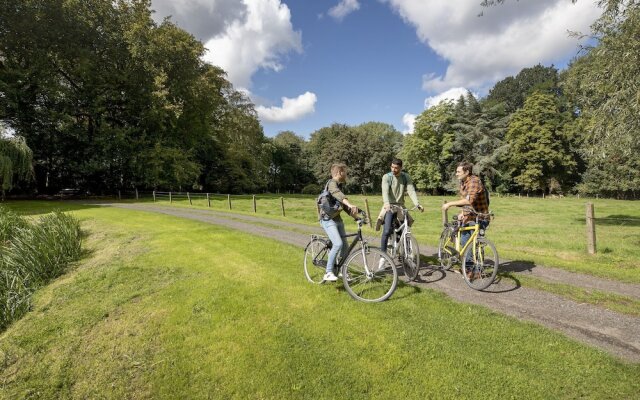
point(31, 255)
point(108, 100)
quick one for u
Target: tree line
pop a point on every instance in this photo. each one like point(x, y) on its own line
point(110, 100)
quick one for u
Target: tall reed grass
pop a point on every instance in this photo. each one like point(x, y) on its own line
point(31, 255)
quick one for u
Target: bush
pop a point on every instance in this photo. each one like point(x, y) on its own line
point(31, 256)
point(312, 188)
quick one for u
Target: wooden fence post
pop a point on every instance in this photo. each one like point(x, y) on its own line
point(282, 205)
point(254, 204)
point(208, 200)
point(445, 218)
point(189, 197)
point(229, 200)
point(154, 196)
point(366, 206)
point(591, 230)
point(119, 195)
point(137, 194)
point(170, 199)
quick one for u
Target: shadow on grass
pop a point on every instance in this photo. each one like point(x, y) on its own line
point(517, 266)
point(41, 207)
point(504, 282)
point(613, 220)
point(618, 220)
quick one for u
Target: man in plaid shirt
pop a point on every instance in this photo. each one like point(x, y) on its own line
point(472, 194)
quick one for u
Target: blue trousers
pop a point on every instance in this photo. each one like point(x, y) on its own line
point(337, 235)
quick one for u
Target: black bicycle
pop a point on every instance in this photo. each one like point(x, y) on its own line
point(368, 274)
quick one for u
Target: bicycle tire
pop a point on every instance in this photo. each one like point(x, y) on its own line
point(368, 280)
point(446, 248)
point(316, 254)
point(484, 267)
point(411, 259)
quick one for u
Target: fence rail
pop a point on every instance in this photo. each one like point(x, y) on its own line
point(208, 198)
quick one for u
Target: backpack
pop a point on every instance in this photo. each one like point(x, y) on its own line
point(486, 191)
point(329, 206)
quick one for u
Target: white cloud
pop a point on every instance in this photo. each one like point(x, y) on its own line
point(409, 121)
point(258, 41)
point(451, 94)
point(202, 18)
point(292, 109)
point(344, 8)
point(507, 38)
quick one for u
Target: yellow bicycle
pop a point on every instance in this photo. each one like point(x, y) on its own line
point(478, 256)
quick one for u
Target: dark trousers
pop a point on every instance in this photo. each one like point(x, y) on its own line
point(386, 231)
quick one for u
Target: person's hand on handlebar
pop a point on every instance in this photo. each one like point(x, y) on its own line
point(419, 207)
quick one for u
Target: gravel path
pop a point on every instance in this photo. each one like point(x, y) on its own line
point(615, 333)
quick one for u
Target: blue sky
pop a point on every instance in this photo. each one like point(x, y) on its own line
point(309, 63)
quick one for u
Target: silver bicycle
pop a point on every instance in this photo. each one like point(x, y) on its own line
point(404, 247)
point(368, 274)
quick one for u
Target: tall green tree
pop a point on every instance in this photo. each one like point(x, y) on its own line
point(16, 162)
point(367, 150)
point(101, 92)
point(605, 89)
point(539, 151)
point(512, 91)
point(428, 151)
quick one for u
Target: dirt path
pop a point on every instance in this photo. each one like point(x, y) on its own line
point(615, 333)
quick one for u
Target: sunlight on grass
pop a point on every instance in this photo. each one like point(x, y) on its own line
point(170, 308)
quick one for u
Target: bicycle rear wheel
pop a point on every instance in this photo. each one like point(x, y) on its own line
point(316, 255)
point(446, 248)
point(481, 271)
point(411, 258)
point(369, 275)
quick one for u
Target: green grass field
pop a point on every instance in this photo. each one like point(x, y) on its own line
point(167, 308)
point(535, 231)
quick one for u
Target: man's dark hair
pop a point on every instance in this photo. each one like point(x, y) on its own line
point(466, 167)
point(397, 161)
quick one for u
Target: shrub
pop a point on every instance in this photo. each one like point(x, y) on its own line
point(31, 257)
point(311, 188)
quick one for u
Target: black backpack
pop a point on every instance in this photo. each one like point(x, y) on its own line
point(329, 205)
point(486, 191)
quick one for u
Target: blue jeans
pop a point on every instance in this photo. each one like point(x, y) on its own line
point(465, 235)
point(337, 235)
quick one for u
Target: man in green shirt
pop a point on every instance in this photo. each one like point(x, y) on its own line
point(395, 185)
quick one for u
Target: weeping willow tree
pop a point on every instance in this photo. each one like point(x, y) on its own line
point(16, 162)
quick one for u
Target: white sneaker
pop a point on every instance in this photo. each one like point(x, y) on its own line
point(329, 277)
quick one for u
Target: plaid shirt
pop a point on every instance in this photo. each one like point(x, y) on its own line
point(473, 190)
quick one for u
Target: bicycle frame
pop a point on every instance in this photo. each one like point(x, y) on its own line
point(403, 230)
point(357, 237)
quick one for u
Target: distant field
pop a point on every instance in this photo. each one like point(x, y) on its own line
point(162, 307)
point(547, 231)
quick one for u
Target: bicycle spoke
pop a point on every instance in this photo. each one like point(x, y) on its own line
point(369, 279)
point(481, 271)
point(315, 260)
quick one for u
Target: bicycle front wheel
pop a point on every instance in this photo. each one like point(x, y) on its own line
point(411, 258)
point(369, 275)
point(316, 255)
point(446, 248)
point(481, 269)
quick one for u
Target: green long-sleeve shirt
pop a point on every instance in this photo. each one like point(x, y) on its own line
point(394, 189)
